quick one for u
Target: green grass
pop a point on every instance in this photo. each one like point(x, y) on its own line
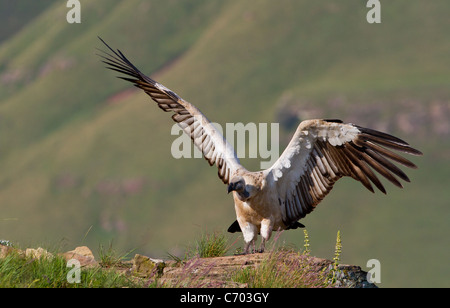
point(109, 257)
point(19, 272)
point(209, 245)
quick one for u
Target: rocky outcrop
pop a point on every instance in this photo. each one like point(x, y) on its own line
point(218, 271)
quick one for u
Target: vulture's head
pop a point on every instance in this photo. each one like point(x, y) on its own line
point(238, 185)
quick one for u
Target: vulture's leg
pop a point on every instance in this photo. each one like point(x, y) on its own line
point(266, 232)
point(250, 232)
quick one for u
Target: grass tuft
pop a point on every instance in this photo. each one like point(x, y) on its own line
point(108, 256)
point(209, 245)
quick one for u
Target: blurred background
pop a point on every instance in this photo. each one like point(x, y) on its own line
point(85, 157)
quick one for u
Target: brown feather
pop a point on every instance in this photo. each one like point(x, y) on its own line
point(385, 152)
point(392, 144)
point(387, 164)
point(367, 171)
point(357, 169)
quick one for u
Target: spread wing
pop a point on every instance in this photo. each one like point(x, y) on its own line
point(323, 151)
point(205, 136)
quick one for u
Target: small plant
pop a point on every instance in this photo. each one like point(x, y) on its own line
point(338, 249)
point(307, 250)
point(337, 256)
point(109, 257)
point(209, 245)
point(175, 258)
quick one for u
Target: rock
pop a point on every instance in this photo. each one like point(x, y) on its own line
point(38, 253)
point(83, 254)
point(351, 276)
point(146, 267)
point(5, 250)
point(208, 272)
point(83, 251)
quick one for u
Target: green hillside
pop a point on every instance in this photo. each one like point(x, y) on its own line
point(85, 157)
point(15, 15)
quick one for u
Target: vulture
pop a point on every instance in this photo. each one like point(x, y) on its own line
point(320, 152)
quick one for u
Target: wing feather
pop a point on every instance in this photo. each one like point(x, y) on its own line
point(321, 152)
point(215, 149)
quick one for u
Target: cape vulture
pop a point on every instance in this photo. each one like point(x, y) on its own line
point(320, 153)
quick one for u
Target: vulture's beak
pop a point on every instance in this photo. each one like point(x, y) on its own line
point(230, 187)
